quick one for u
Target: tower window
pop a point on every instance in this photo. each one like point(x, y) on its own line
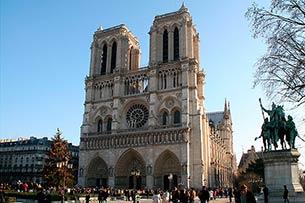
point(104, 60)
point(176, 44)
point(165, 118)
point(165, 46)
point(109, 124)
point(100, 126)
point(113, 56)
point(177, 119)
point(130, 58)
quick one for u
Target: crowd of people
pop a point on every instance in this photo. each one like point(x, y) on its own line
point(241, 195)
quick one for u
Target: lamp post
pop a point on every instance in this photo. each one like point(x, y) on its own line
point(64, 165)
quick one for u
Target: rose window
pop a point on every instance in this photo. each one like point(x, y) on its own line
point(137, 116)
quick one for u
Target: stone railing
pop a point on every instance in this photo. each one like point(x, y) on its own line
point(123, 140)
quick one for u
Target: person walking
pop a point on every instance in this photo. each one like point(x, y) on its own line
point(230, 194)
point(246, 196)
point(285, 194)
point(204, 195)
point(266, 194)
point(156, 197)
point(236, 193)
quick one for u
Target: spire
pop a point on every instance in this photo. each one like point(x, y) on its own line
point(183, 8)
point(226, 107)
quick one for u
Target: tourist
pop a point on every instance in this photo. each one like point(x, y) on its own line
point(204, 195)
point(156, 197)
point(266, 194)
point(2, 194)
point(285, 195)
point(230, 193)
point(236, 193)
point(246, 196)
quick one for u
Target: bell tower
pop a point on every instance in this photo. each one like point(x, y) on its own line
point(173, 36)
point(114, 49)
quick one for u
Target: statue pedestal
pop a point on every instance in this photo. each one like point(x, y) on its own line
point(281, 168)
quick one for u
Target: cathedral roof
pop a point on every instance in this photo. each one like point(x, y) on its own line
point(216, 117)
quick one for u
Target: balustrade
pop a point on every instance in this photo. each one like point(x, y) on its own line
point(95, 141)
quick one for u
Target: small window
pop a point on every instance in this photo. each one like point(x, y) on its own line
point(177, 119)
point(165, 118)
point(100, 126)
point(109, 124)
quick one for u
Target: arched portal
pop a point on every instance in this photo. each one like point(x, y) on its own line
point(130, 171)
point(167, 170)
point(97, 175)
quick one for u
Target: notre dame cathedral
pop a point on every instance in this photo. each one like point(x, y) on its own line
point(147, 127)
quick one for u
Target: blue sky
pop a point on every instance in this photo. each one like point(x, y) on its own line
point(45, 56)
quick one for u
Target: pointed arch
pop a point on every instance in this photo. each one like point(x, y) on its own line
point(176, 44)
point(104, 59)
point(164, 117)
point(97, 173)
point(165, 46)
point(109, 124)
point(113, 56)
point(167, 163)
point(100, 125)
point(176, 116)
point(130, 160)
point(130, 58)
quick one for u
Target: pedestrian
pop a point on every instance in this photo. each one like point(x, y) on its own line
point(156, 197)
point(246, 196)
point(192, 195)
point(88, 196)
point(230, 193)
point(285, 194)
point(266, 194)
point(2, 194)
point(40, 196)
point(204, 195)
point(236, 193)
point(100, 196)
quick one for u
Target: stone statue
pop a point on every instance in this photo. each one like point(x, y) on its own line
point(277, 128)
point(265, 134)
point(291, 131)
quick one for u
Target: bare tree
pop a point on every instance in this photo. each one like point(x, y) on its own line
point(281, 71)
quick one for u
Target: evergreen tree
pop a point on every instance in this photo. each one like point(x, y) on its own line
point(57, 170)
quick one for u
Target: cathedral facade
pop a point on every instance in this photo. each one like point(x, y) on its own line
point(147, 127)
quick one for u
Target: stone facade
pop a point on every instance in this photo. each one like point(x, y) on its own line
point(147, 127)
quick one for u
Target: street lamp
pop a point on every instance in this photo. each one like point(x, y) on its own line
point(64, 165)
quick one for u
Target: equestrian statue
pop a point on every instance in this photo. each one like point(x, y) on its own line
point(277, 128)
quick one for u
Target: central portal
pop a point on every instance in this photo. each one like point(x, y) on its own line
point(135, 182)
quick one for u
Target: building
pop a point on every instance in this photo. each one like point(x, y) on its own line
point(147, 127)
point(24, 159)
point(222, 158)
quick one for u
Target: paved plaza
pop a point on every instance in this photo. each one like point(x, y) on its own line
point(219, 200)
